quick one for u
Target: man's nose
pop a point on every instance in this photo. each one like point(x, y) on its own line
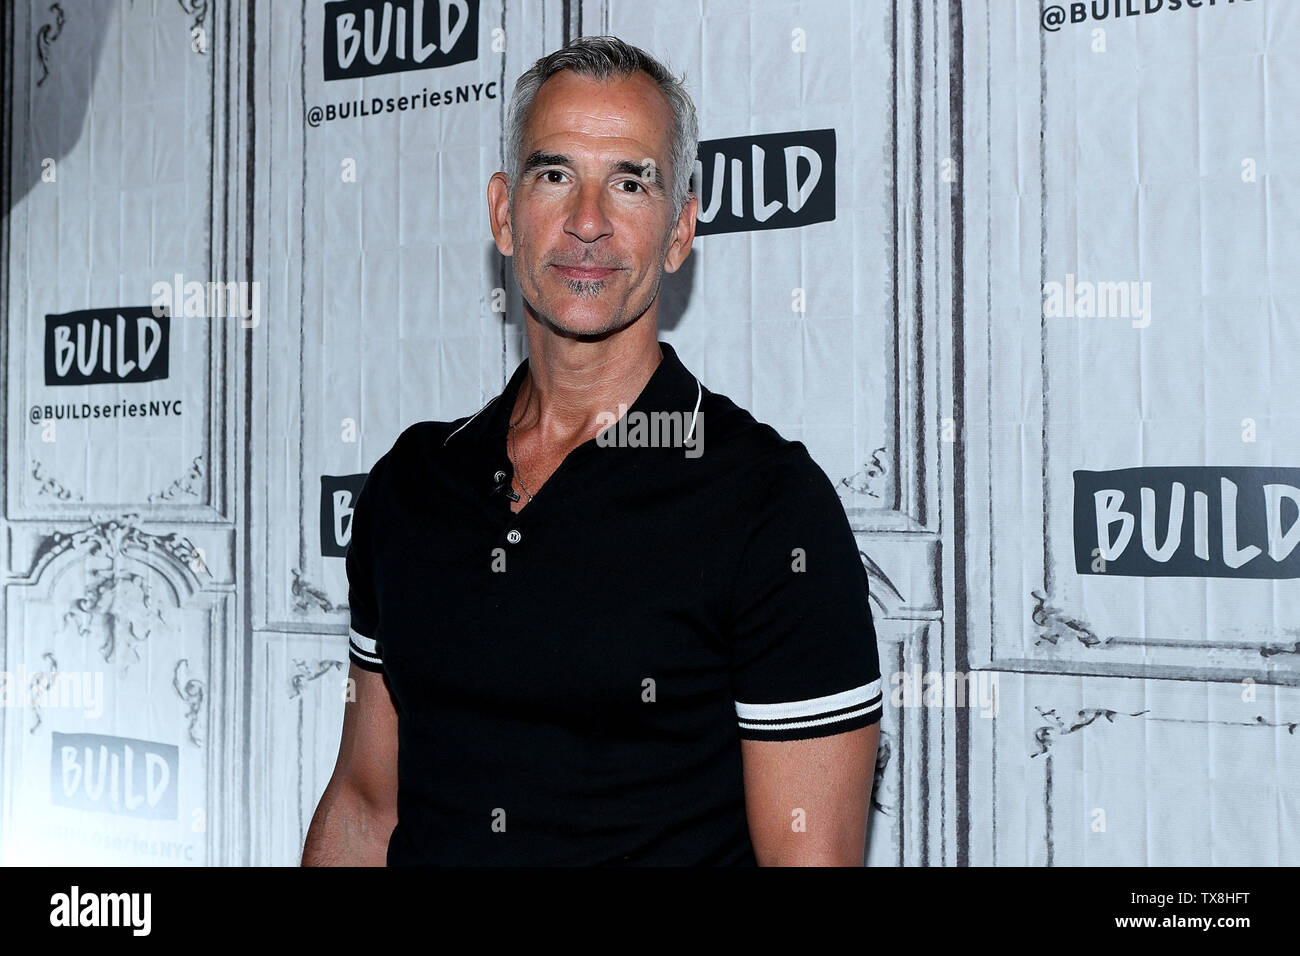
point(587, 219)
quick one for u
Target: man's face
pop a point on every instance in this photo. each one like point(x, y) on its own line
point(591, 227)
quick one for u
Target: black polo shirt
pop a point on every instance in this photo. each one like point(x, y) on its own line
point(572, 682)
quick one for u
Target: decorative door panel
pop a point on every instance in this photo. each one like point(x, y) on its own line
point(123, 310)
point(120, 737)
point(1128, 282)
point(1091, 771)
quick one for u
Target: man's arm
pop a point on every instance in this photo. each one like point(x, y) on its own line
point(807, 800)
point(358, 810)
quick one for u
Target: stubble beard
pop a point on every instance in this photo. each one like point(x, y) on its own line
point(588, 290)
point(591, 289)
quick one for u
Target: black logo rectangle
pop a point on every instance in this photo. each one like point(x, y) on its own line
point(773, 181)
point(338, 495)
point(1229, 522)
point(372, 37)
point(106, 346)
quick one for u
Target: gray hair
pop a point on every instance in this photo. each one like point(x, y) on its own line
point(601, 58)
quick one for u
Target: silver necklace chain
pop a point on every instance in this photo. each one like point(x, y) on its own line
point(514, 444)
point(515, 461)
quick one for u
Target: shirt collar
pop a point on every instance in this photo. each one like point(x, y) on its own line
point(671, 388)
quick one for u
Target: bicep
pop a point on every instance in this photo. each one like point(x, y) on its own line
point(367, 761)
point(807, 800)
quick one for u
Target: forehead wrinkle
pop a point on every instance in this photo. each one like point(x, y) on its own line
point(574, 105)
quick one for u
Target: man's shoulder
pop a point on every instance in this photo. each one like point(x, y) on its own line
point(743, 445)
point(425, 438)
point(417, 447)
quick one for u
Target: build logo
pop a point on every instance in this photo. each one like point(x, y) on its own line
point(120, 775)
point(372, 37)
point(96, 346)
point(772, 181)
point(338, 495)
point(1228, 522)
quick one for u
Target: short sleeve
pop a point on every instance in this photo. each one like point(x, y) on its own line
point(804, 658)
point(363, 632)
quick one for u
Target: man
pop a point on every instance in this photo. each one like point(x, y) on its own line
point(577, 639)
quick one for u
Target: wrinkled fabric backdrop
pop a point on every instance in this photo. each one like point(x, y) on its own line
point(1021, 277)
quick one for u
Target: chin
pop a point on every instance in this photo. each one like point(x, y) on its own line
point(581, 325)
point(575, 316)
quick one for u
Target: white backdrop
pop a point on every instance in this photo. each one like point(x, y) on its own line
point(1042, 262)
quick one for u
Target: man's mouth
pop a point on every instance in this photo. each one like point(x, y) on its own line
point(583, 272)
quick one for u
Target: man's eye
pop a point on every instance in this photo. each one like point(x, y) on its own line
point(551, 172)
point(635, 182)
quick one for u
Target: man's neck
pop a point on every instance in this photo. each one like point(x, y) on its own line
point(571, 383)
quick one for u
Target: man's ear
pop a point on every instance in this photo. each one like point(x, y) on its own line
point(681, 235)
point(498, 197)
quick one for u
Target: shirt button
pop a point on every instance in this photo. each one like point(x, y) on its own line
point(499, 476)
point(513, 536)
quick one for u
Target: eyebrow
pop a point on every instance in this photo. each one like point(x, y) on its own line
point(538, 158)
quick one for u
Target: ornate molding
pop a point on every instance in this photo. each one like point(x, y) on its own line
point(884, 753)
point(195, 8)
point(103, 601)
point(198, 9)
point(115, 536)
point(45, 38)
point(306, 673)
point(183, 484)
point(1046, 734)
point(892, 601)
point(191, 692)
point(1290, 725)
point(1054, 624)
point(864, 481)
point(39, 686)
point(307, 597)
point(117, 598)
point(49, 485)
